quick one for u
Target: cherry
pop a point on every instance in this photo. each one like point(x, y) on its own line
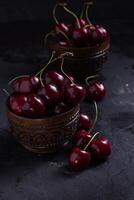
point(100, 148)
point(53, 77)
point(31, 105)
point(61, 108)
point(79, 159)
point(99, 34)
point(73, 94)
point(88, 34)
point(16, 103)
point(79, 37)
point(25, 84)
point(70, 79)
point(82, 138)
point(63, 28)
point(96, 90)
point(85, 122)
point(103, 34)
point(50, 94)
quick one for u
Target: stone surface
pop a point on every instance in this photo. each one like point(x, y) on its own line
point(24, 176)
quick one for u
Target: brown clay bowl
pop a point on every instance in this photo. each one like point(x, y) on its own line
point(86, 61)
point(44, 135)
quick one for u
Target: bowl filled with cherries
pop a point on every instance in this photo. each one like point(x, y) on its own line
point(43, 109)
point(88, 42)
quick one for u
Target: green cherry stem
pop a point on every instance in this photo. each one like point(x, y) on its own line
point(47, 36)
point(73, 14)
point(88, 4)
point(96, 117)
point(90, 78)
point(54, 11)
point(62, 63)
point(93, 137)
point(50, 60)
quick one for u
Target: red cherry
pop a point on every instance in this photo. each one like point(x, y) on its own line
point(31, 105)
point(96, 90)
point(53, 77)
point(73, 94)
point(88, 34)
point(66, 29)
point(85, 122)
point(79, 159)
point(50, 94)
point(99, 35)
point(25, 84)
point(82, 138)
point(103, 34)
point(16, 103)
point(82, 22)
point(78, 37)
point(100, 148)
point(61, 108)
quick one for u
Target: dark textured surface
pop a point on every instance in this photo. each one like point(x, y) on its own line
point(24, 176)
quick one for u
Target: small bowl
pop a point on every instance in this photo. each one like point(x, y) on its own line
point(45, 135)
point(86, 61)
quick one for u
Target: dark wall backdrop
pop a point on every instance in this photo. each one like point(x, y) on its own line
point(11, 10)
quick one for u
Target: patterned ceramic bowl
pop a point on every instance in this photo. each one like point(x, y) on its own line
point(86, 61)
point(44, 135)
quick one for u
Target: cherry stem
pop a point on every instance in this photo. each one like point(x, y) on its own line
point(47, 35)
point(93, 137)
point(54, 11)
point(88, 4)
point(96, 117)
point(6, 92)
point(62, 62)
point(83, 11)
point(90, 78)
point(17, 78)
point(73, 14)
point(65, 36)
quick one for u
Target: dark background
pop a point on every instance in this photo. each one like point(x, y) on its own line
point(24, 176)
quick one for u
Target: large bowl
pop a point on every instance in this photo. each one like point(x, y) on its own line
point(86, 61)
point(44, 135)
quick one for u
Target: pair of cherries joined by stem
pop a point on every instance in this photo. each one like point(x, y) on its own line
point(80, 34)
point(88, 148)
point(52, 93)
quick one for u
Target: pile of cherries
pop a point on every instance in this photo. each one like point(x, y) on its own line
point(88, 149)
point(82, 33)
point(51, 93)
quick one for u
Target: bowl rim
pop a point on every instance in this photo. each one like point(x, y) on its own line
point(46, 118)
point(80, 48)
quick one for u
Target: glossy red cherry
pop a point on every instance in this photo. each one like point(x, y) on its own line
point(85, 122)
point(73, 94)
point(61, 108)
point(88, 34)
point(25, 84)
point(50, 94)
point(79, 159)
point(100, 148)
point(31, 106)
point(62, 27)
point(82, 138)
point(96, 90)
point(54, 77)
point(78, 37)
point(103, 34)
